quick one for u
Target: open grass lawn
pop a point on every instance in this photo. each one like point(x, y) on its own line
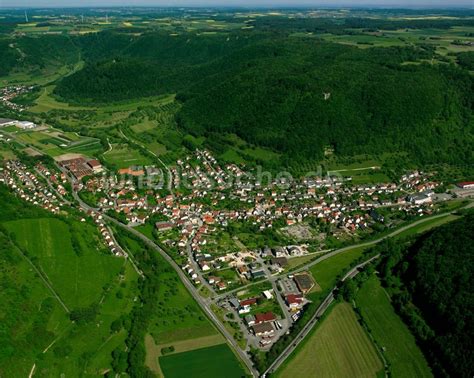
point(124, 156)
point(364, 41)
point(84, 276)
point(211, 362)
point(46, 102)
point(29, 315)
point(231, 156)
point(425, 226)
point(78, 278)
point(326, 272)
point(181, 318)
point(5, 152)
point(145, 125)
point(368, 178)
point(390, 333)
point(261, 154)
point(95, 339)
point(154, 351)
point(296, 261)
point(339, 347)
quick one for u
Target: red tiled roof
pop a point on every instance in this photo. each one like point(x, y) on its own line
point(293, 298)
point(461, 184)
point(94, 163)
point(248, 302)
point(266, 317)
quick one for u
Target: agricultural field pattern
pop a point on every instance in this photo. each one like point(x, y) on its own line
point(236, 191)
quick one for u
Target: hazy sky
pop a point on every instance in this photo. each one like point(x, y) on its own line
point(245, 3)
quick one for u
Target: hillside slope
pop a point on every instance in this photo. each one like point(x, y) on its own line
point(293, 95)
point(432, 288)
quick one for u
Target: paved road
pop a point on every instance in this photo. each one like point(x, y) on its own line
point(52, 187)
point(201, 301)
point(369, 243)
point(344, 249)
point(196, 267)
point(314, 319)
point(352, 273)
point(205, 305)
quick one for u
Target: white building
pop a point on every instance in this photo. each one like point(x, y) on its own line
point(25, 125)
point(7, 122)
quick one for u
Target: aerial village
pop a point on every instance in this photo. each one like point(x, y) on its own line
point(198, 201)
point(10, 92)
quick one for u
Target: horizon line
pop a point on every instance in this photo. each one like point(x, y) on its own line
point(248, 7)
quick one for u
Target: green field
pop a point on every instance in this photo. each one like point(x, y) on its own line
point(73, 264)
point(339, 347)
point(326, 272)
point(5, 152)
point(54, 142)
point(212, 362)
point(425, 226)
point(76, 277)
point(46, 102)
point(181, 318)
point(30, 316)
point(123, 156)
point(390, 333)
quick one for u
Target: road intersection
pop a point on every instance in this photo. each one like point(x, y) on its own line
point(205, 303)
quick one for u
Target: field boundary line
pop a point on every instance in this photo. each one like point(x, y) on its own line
point(46, 283)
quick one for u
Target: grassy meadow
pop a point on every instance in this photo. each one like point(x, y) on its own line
point(181, 318)
point(76, 277)
point(123, 156)
point(389, 332)
point(338, 347)
point(66, 260)
point(31, 317)
point(210, 362)
point(326, 272)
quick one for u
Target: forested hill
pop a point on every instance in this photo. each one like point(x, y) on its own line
point(269, 88)
point(433, 282)
point(373, 102)
point(30, 54)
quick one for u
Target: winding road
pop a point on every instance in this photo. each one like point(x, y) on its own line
point(192, 290)
point(206, 304)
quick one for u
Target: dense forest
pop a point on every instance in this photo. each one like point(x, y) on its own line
point(297, 97)
point(347, 25)
point(466, 59)
point(293, 95)
point(431, 283)
point(31, 54)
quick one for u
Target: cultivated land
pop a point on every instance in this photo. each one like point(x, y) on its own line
point(73, 273)
point(49, 242)
point(326, 272)
point(179, 324)
point(339, 347)
point(211, 362)
point(122, 156)
point(389, 332)
point(181, 318)
point(75, 277)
